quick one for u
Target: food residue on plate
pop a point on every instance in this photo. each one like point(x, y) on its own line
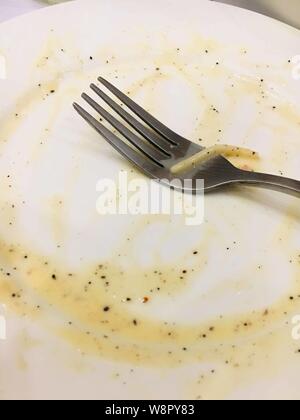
point(126, 312)
point(207, 154)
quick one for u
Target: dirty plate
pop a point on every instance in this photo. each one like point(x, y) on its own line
point(146, 306)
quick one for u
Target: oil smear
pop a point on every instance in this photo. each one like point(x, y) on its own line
point(118, 308)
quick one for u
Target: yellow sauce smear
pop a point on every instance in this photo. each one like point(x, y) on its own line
point(90, 307)
point(207, 154)
point(94, 304)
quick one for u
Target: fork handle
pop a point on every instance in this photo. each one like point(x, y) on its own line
point(272, 182)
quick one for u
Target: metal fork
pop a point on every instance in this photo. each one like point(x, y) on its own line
point(155, 148)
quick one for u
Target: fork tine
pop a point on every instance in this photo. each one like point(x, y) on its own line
point(144, 147)
point(156, 125)
point(128, 152)
point(151, 136)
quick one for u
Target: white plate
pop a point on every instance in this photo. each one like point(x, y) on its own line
point(225, 329)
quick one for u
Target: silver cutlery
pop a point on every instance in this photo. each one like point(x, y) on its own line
point(154, 148)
